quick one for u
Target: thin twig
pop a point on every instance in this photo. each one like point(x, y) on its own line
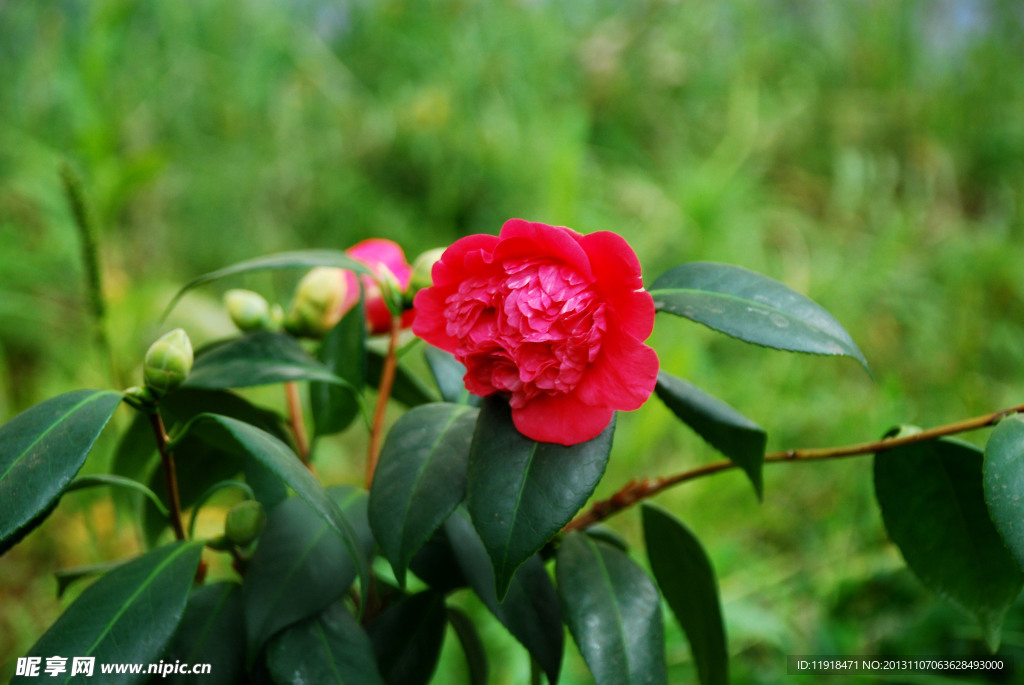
point(387, 380)
point(637, 490)
point(291, 392)
point(170, 477)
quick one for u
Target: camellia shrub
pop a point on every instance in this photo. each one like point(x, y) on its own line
point(535, 338)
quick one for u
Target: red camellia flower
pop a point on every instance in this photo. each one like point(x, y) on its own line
point(550, 318)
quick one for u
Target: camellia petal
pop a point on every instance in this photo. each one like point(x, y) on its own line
point(532, 240)
point(549, 318)
point(379, 251)
point(564, 420)
point(378, 254)
point(622, 375)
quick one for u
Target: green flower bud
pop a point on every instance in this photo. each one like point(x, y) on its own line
point(140, 398)
point(390, 289)
point(245, 522)
point(168, 363)
point(318, 303)
point(248, 310)
point(421, 271)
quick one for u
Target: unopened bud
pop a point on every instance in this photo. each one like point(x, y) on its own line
point(317, 305)
point(390, 289)
point(168, 363)
point(139, 398)
point(421, 271)
point(248, 310)
point(245, 522)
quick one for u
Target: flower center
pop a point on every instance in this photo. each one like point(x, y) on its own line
point(532, 332)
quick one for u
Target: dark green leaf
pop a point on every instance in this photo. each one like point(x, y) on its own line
point(343, 352)
point(521, 492)
point(448, 373)
point(200, 464)
point(258, 358)
point(300, 259)
point(530, 610)
point(724, 428)
point(300, 565)
point(613, 611)
point(687, 581)
point(128, 615)
point(184, 404)
point(751, 307)
point(933, 506)
point(268, 488)
point(608, 536)
point(407, 639)
point(41, 450)
point(212, 631)
point(420, 478)
point(133, 458)
point(407, 389)
point(435, 564)
point(198, 467)
point(235, 436)
point(96, 480)
point(330, 647)
point(1004, 483)
point(66, 577)
point(472, 646)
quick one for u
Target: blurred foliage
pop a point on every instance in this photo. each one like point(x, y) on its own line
point(869, 154)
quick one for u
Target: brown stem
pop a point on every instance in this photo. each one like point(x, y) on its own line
point(170, 477)
point(291, 392)
point(387, 380)
point(635, 490)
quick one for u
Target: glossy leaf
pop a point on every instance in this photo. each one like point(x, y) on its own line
point(66, 577)
point(328, 648)
point(407, 389)
point(435, 564)
point(420, 478)
point(521, 492)
point(184, 404)
point(300, 566)
point(472, 646)
point(300, 259)
point(407, 639)
point(724, 428)
point(613, 611)
point(134, 456)
point(128, 615)
point(101, 479)
point(41, 450)
point(211, 631)
point(268, 488)
point(200, 464)
point(343, 353)
point(751, 307)
point(1004, 483)
point(236, 436)
point(530, 609)
point(448, 374)
point(259, 358)
point(687, 581)
point(933, 506)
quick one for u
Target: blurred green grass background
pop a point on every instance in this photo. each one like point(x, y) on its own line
point(869, 154)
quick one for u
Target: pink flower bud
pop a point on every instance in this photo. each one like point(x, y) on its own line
point(386, 259)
